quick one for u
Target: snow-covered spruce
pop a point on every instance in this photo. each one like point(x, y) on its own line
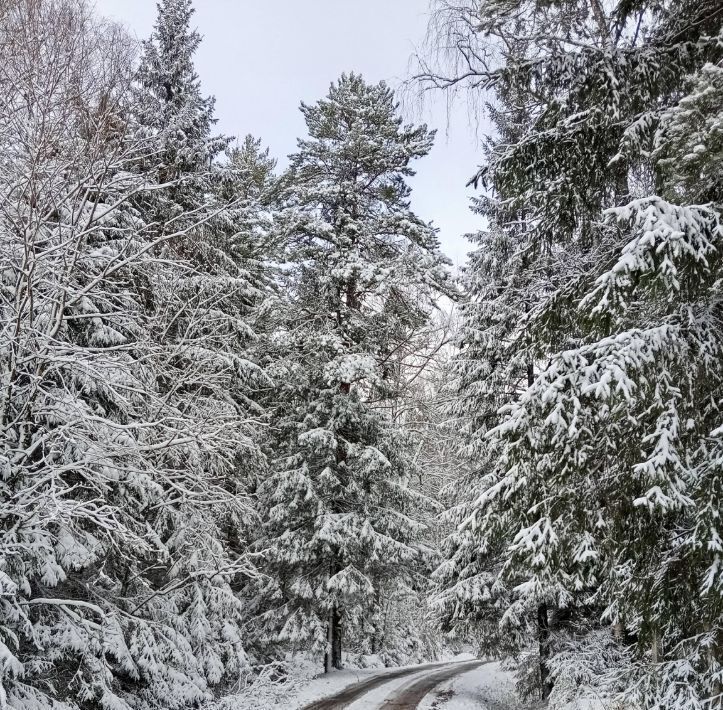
point(600, 505)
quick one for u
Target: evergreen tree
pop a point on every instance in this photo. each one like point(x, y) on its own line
point(209, 291)
point(601, 497)
point(365, 272)
point(170, 105)
point(120, 445)
point(505, 277)
point(245, 188)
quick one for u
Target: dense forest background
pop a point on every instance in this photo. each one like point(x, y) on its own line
point(246, 413)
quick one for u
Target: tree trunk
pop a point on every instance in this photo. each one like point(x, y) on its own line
point(332, 657)
point(329, 645)
point(333, 653)
point(543, 621)
point(714, 660)
point(543, 639)
point(336, 639)
point(377, 637)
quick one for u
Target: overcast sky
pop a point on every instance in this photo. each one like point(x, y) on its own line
point(260, 58)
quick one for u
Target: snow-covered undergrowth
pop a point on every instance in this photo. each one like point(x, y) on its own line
point(304, 681)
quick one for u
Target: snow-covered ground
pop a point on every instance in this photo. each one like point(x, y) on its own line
point(375, 698)
point(303, 685)
point(485, 688)
point(488, 687)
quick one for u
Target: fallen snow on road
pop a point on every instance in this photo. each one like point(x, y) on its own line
point(488, 687)
point(374, 699)
point(304, 685)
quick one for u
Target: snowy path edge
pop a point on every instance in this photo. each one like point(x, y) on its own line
point(355, 691)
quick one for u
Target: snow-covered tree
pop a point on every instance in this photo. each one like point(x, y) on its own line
point(213, 282)
point(125, 437)
point(601, 498)
point(224, 194)
point(170, 104)
point(506, 276)
point(364, 273)
point(245, 188)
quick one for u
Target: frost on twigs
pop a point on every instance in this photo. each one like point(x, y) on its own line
point(123, 379)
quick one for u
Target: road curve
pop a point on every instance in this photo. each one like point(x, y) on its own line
point(439, 672)
point(409, 696)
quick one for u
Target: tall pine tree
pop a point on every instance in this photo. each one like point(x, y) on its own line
point(365, 273)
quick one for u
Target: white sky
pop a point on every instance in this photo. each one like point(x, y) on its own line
point(260, 58)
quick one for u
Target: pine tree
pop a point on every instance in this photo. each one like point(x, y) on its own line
point(365, 273)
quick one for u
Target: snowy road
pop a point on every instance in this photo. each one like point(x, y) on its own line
point(399, 690)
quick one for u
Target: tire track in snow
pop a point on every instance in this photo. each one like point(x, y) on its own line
point(409, 696)
point(358, 690)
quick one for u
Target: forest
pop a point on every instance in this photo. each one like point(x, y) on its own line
point(250, 414)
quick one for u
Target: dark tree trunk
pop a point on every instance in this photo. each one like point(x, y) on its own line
point(332, 657)
point(336, 639)
point(543, 621)
point(543, 639)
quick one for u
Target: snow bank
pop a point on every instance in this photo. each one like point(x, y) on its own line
point(487, 687)
point(304, 683)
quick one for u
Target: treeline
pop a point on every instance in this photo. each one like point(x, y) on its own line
point(588, 531)
point(227, 414)
point(203, 462)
